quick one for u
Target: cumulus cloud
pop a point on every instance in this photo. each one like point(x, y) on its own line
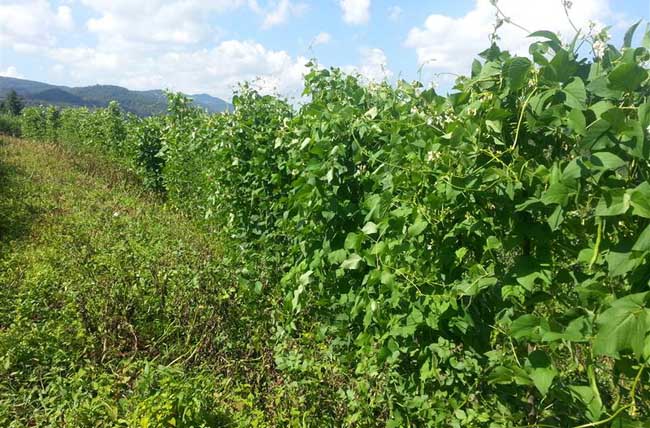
point(28, 25)
point(449, 44)
point(321, 39)
point(214, 70)
point(282, 12)
point(179, 48)
point(355, 12)
point(175, 22)
point(11, 71)
point(373, 65)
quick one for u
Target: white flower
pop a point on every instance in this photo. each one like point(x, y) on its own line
point(432, 156)
point(599, 48)
point(604, 35)
point(430, 121)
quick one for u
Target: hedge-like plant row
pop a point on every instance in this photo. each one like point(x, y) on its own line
point(480, 259)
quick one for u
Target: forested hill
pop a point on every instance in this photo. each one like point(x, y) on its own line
point(142, 103)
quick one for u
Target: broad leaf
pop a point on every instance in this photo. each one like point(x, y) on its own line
point(613, 202)
point(640, 200)
point(518, 72)
point(575, 94)
point(643, 241)
point(418, 226)
point(623, 326)
point(629, 34)
point(627, 76)
point(352, 262)
point(541, 370)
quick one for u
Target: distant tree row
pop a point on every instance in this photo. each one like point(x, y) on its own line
point(12, 104)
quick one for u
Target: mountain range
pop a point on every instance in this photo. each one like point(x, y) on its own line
point(141, 103)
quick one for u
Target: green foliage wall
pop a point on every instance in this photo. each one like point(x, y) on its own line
point(10, 125)
point(481, 259)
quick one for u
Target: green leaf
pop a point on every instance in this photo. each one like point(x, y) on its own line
point(620, 263)
point(352, 262)
point(644, 115)
point(613, 202)
point(557, 193)
point(573, 170)
point(577, 331)
point(553, 39)
point(370, 228)
point(518, 72)
point(562, 67)
point(643, 241)
point(600, 87)
point(595, 131)
point(337, 257)
point(623, 326)
point(592, 401)
point(640, 200)
point(353, 241)
point(575, 94)
point(627, 76)
point(418, 226)
point(541, 370)
point(556, 218)
point(372, 113)
point(607, 160)
point(529, 272)
point(576, 121)
point(629, 34)
point(504, 375)
point(646, 37)
point(616, 117)
point(528, 327)
point(471, 286)
point(493, 243)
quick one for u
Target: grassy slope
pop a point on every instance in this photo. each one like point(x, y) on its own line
point(117, 311)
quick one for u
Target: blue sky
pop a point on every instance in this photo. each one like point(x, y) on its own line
point(210, 45)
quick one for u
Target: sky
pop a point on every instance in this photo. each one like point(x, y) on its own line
point(208, 46)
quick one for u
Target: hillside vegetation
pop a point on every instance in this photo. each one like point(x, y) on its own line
point(381, 256)
point(141, 103)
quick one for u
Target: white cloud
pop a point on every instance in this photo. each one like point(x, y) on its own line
point(31, 24)
point(281, 13)
point(321, 39)
point(58, 68)
point(216, 70)
point(355, 12)
point(175, 22)
point(373, 65)
point(63, 18)
point(178, 48)
point(394, 13)
point(448, 44)
point(86, 58)
point(11, 71)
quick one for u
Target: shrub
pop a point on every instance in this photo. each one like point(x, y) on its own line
point(10, 125)
point(33, 121)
